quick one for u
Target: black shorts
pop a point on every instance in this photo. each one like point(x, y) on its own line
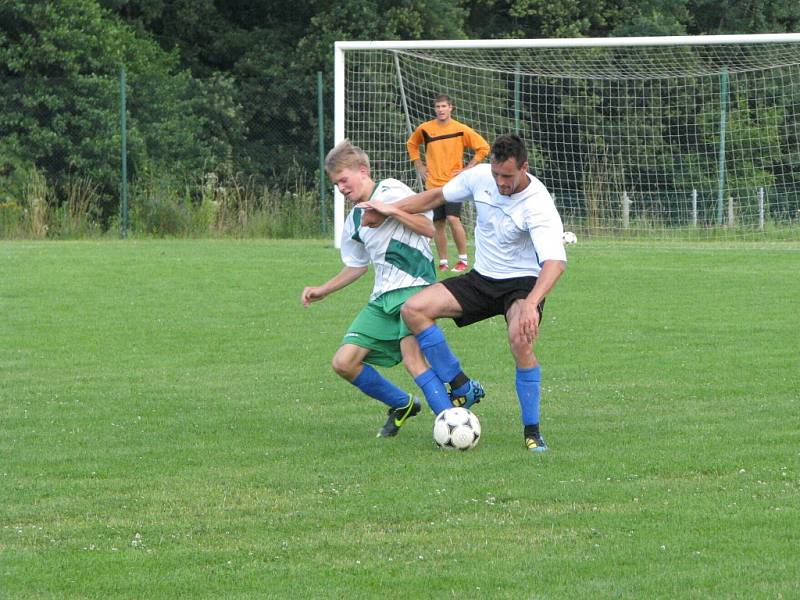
point(482, 297)
point(448, 209)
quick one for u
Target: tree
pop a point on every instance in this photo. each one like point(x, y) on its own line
point(59, 77)
point(272, 51)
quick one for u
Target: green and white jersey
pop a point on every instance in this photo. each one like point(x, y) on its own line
point(401, 258)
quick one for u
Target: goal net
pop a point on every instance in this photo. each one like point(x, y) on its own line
point(663, 138)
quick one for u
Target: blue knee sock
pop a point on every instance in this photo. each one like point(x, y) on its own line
point(434, 390)
point(438, 353)
point(376, 386)
point(528, 385)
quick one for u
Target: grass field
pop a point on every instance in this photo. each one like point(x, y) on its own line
point(170, 427)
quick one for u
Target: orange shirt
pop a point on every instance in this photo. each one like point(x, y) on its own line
point(444, 149)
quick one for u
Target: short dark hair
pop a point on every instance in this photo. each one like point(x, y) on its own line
point(509, 145)
point(443, 98)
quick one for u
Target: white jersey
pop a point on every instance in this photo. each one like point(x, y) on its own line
point(401, 257)
point(514, 234)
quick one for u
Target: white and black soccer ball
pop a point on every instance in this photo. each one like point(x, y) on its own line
point(570, 238)
point(456, 429)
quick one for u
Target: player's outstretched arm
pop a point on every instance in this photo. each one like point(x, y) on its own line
point(416, 203)
point(418, 223)
point(422, 202)
point(344, 278)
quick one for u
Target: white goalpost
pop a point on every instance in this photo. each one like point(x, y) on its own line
point(687, 137)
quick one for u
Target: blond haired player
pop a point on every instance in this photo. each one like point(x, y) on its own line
point(400, 254)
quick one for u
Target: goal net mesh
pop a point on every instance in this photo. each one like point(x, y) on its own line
point(632, 141)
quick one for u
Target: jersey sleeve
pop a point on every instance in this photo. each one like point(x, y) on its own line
point(414, 142)
point(477, 143)
point(459, 188)
point(353, 252)
point(547, 231)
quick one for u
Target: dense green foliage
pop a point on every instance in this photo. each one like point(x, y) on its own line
point(230, 87)
point(172, 429)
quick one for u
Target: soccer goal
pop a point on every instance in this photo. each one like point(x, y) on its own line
point(661, 138)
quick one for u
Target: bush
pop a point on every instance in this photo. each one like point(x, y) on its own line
point(213, 206)
point(157, 208)
point(10, 219)
point(78, 214)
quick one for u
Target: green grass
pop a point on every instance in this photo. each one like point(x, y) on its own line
point(170, 427)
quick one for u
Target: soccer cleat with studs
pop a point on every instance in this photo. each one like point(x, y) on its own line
point(444, 267)
point(472, 397)
point(398, 416)
point(535, 442)
point(461, 266)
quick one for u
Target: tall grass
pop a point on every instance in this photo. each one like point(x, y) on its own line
point(222, 204)
point(43, 209)
point(213, 205)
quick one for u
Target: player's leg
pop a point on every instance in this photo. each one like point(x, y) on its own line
point(373, 338)
point(528, 380)
point(440, 236)
point(420, 313)
point(453, 210)
point(421, 310)
point(348, 362)
point(425, 377)
point(379, 327)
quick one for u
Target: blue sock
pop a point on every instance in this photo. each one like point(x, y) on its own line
point(434, 390)
point(440, 357)
point(528, 385)
point(376, 386)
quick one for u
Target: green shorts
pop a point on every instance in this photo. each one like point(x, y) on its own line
point(379, 327)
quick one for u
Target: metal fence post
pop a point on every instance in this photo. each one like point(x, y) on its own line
point(321, 127)
point(124, 157)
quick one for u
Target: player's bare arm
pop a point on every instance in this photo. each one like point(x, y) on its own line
point(417, 203)
point(422, 169)
point(418, 223)
point(529, 315)
point(371, 217)
point(344, 278)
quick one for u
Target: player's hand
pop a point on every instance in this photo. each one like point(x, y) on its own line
point(528, 322)
point(380, 206)
point(311, 294)
point(372, 218)
point(423, 172)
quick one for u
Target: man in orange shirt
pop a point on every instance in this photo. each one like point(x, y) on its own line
point(445, 141)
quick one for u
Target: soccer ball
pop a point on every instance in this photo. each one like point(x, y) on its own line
point(456, 429)
point(570, 238)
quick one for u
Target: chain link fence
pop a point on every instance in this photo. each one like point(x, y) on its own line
point(199, 158)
